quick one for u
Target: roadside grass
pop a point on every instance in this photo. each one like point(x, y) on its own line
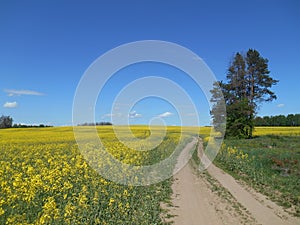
point(270, 163)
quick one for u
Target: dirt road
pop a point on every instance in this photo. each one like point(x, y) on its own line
point(214, 198)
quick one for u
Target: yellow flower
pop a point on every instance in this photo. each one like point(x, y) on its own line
point(2, 202)
point(68, 185)
point(97, 221)
point(44, 219)
point(1, 211)
point(244, 156)
point(69, 209)
point(50, 209)
point(96, 197)
point(82, 200)
point(111, 201)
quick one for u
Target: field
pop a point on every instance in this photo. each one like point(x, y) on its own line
point(44, 179)
point(270, 163)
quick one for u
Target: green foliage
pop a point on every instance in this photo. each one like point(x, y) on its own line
point(248, 85)
point(239, 119)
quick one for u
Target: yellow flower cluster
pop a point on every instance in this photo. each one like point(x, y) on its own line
point(234, 152)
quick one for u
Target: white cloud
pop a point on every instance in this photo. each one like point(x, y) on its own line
point(11, 92)
point(134, 115)
point(166, 114)
point(10, 105)
point(280, 105)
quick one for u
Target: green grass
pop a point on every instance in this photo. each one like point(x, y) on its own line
point(270, 163)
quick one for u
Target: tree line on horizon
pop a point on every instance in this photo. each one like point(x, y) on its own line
point(7, 122)
point(29, 126)
point(279, 120)
point(96, 124)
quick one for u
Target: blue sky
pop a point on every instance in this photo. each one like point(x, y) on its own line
point(46, 46)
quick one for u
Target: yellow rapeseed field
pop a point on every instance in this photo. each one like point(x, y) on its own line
point(277, 131)
point(44, 179)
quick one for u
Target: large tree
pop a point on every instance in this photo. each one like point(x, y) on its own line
point(248, 85)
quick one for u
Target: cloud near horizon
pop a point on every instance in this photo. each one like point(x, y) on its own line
point(280, 105)
point(166, 114)
point(134, 114)
point(12, 92)
point(10, 105)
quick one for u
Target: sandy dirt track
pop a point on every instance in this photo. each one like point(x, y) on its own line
point(214, 198)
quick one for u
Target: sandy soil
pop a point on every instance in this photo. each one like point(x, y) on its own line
point(213, 197)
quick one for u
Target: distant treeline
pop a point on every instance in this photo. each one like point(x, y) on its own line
point(29, 126)
point(280, 120)
point(95, 124)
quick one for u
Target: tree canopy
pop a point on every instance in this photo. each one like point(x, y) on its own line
point(247, 85)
